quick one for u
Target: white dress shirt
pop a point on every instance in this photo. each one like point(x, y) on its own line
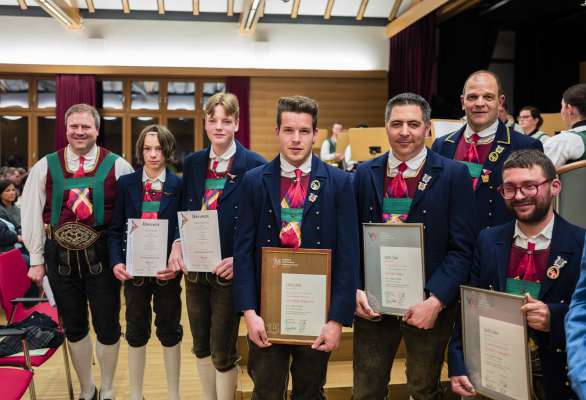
point(542, 240)
point(564, 147)
point(288, 170)
point(413, 165)
point(156, 183)
point(34, 197)
point(486, 135)
point(223, 159)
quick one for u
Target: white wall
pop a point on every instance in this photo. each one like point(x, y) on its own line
point(26, 40)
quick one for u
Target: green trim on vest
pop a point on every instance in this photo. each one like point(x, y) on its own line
point(519, 287)
point(291, 214)
point(96, 183)
point(215, 183)
point(582, 135)
point(332, 145)
point(398, 206)
point(473, 169)
point(150, 206)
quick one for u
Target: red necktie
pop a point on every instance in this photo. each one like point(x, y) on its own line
point(527, 268)
point(290, 234)
point(211, 196)
point(398, 184)
point(148, 186)
point(78, 199)
point(472, 153)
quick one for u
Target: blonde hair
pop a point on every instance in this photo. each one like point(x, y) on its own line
point(227, 100)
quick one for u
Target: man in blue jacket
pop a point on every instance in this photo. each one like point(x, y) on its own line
point(483, 144)
point(576, 335)
point(319, 193)
point(537, 255)
point(438, 194)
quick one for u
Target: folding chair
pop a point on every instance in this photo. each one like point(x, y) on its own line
point(16, 379)
point(14, 283)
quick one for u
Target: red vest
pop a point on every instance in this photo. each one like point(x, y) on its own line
point(462, 149)
point(539, 256)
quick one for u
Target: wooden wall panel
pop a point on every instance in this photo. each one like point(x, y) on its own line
point(349, 101)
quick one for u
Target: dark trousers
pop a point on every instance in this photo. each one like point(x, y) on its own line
point(376, 343)
point(83, 277)
point(269, 369)
point(166, 296)
point(213, 321)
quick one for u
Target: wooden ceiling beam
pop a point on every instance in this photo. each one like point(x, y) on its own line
point(251, 11)
point(161, 6)
point(66, 14)
point(413, 15)
point(195, 7)
point(230, 8)
point(22, 4)
point(395, 9)
point(361, 9)
point(90, 6)
point(295, 9)
point(329, 7)
point(126, 6)
point(454, 8)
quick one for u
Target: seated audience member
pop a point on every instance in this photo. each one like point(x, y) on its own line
point(328, 151)
point(570, 145)
point(530, 121)
point(505, 117)
point(576, 335)
point(536, 255)
point(8, 210)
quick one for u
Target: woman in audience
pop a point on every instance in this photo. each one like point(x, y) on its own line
point(530, 121)
point(8, 210)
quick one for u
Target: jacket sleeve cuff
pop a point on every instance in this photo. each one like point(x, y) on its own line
point(37, 259)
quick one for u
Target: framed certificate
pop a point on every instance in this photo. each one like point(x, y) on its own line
point(496, 353)
point(295, 293)
point(200, 239)
point(146, 246)
point(394, 268)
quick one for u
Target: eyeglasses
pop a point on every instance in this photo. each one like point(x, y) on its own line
point(528, 190)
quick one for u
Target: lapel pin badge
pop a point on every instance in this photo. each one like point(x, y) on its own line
point(426, 178)
point(231, 177)
point(315, 184)
point(312, 197)
point(553, 272)
point(422, 186)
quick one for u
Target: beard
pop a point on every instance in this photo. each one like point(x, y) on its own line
point(539, 213)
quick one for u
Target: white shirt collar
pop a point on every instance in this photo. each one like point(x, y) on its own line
point(542, 240)
point(227, 154)
point(413, 164)
point(72, 159)
point(486, 135)
point(288, 170)
point(160, 178)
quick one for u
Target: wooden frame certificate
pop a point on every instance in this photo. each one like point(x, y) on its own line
point(295, 293)
point(200, 240)
point(146, 246)
point(496, 352)
point(394, 267)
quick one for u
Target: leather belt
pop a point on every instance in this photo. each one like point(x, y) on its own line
point(73, 235)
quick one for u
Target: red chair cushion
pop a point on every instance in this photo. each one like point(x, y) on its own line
point(14, 382)
point(36, 361)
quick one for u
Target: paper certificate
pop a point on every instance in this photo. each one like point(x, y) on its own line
point(200, 240)
point(146, 246)
point(393, 266)
point(502, 357)
point(303, 304)
point(494, 333)
point(398, 270)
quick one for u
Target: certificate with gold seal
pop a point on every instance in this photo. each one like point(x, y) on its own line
point(295, 293)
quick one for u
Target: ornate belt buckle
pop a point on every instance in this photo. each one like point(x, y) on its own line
point(75, 236)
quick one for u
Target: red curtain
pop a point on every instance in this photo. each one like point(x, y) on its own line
point(240, 87)
point(412, 59)
point(71, 89)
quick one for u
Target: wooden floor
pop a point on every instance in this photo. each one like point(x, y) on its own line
point(50, 381)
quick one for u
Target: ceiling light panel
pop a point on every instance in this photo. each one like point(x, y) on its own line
point(143, 5)
point(213, 6)
point(313, 7)
point(280, 7)
point(346, 8)
point(179, 5)
point(378, 8)
point(108, 5)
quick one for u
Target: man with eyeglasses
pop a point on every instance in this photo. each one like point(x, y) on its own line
point(537, 256)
